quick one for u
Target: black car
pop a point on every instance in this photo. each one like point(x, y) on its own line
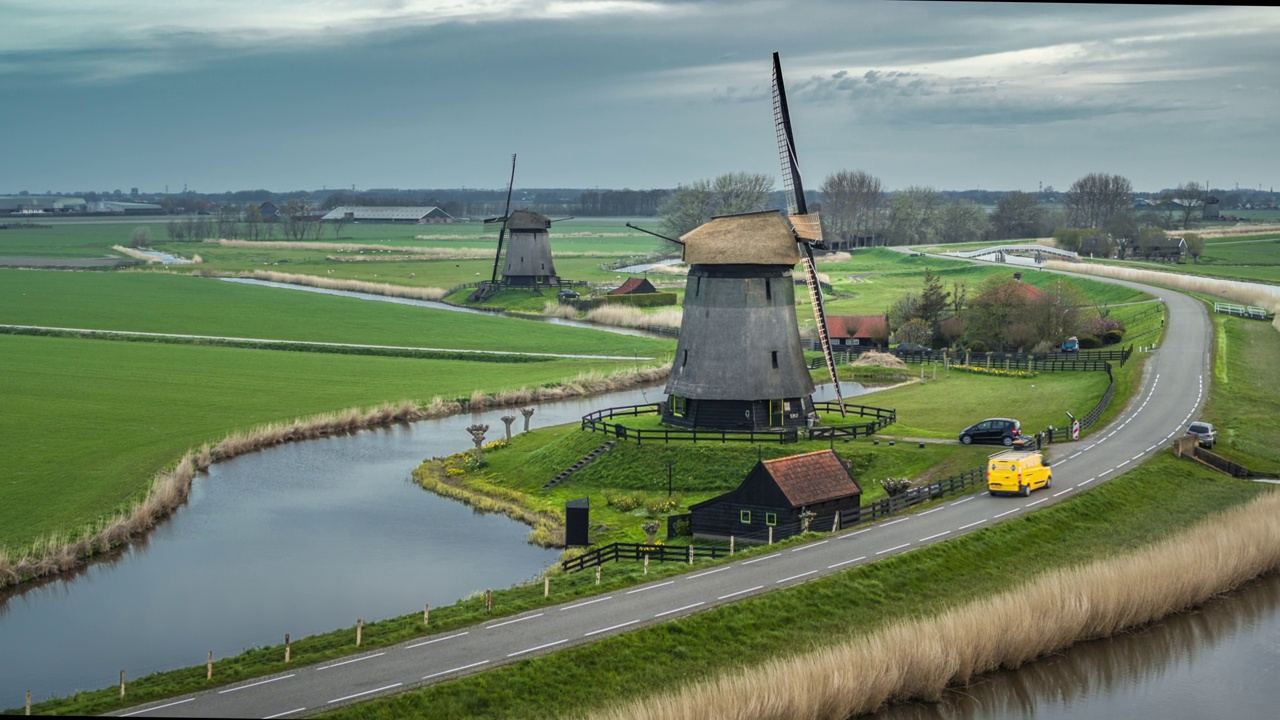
point(1000, 431)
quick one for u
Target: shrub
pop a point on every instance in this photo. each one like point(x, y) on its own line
point(624, 502)
point(1111, 337)
point(1089, 342)
point(662, 505)
point(977, 346)
point(683, 528)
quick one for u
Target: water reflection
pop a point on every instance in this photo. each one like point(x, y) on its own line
point(1218, 661)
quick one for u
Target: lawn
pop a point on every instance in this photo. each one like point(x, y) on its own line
point(1244, 408)
point(163, 303)
point(87, 423)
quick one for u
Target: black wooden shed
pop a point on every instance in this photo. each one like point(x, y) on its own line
point(775, 493)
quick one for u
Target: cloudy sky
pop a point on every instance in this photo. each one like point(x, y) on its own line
point(292, 94)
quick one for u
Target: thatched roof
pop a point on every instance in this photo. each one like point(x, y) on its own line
point(762, 238)
point(527, 220)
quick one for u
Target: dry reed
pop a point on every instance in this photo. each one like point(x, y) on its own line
point(555, 309)
point(328, 283)
point(136, 255)
point(677, 269)
point(62, 552)
point(918, 659)
point(625, 316)
point(833, 257)
point(880, 359)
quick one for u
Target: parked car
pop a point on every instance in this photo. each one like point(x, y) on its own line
point(1071, 344)
point(569, 295)
point(1203, 430)
point(1017, 472)
point(1001, 431)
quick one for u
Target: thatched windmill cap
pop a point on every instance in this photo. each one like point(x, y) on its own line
point(759, 238)
point(528, 220)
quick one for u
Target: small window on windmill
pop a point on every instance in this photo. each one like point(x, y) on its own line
point(677, 406)
point(685, 360)
point(775, 359)
point(697, 288)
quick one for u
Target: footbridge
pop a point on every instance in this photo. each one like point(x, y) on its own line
point(999, 253)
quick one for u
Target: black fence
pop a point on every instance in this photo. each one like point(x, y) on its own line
point(1085, 361)
point(601, 421)
point(1230, 467)
point(639, 551)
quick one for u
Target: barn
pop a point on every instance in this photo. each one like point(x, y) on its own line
point(775, 493)
point(857, 332)
point(387, 214)
point(634, 286)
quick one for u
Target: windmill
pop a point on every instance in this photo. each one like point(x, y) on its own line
point(528, 261)
point(807, 225)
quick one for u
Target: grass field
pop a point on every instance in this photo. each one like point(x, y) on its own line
point(1247, 416)
point(87, 423)
point(162, 303)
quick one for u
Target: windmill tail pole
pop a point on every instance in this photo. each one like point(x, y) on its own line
point(650, 232)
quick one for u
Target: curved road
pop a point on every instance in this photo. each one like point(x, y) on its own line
point(1171, 393)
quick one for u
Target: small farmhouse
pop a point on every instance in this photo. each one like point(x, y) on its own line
point(634, 286)
point(775, 493)
point(1171, 249)
point(857, 332)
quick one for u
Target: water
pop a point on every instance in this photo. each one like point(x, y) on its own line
point(165, 258)
point(647, 266)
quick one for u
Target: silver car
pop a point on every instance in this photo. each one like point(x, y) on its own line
point(1205, 432)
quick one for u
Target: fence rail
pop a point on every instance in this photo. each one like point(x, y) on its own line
point(600, 421)
point(1087, 360)
point(1247, 311)
point(638, 551)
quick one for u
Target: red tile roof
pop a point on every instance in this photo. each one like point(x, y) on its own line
point(634, 285)
point(812, 478)
point(858, 326)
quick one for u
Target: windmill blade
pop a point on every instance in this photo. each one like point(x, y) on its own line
point(786, 144)
point(820, 318)
point(506, 215)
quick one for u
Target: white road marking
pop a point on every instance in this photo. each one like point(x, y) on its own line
point(353, 660)
point(611, 627)
point(846, 562)
point(810, 545)
point(540, 647)
point(651, 587)
point(286, 712)
point(856, 533)
point(960, 501)
point(1135, 457)
point(1126, 462)
point(260, 682)
point(1006, 512)
point(428, 642)
point(457, 669)
point(1064, 492)
point(679, 609)
point(766, 557)
point(158, 707)
point(898, 547)
point(1075, 456)
point(725, 597)
point(1104, 472)
point(366, 692)
point(895, 522)
point(1036, 502)
point(526, 617)
point(966, 527)
point(926, 512)
point(932, 537)
point(794, 577)
point(709, 572)
point(581, 604)
point(1153, 447)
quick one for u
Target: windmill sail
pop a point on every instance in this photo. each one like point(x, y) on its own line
point(807, 225)
point(506, 215)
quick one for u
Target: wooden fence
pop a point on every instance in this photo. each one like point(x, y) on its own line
point(1085, 361)
point(601, 421)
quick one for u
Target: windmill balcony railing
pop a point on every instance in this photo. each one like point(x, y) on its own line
point(603, 421)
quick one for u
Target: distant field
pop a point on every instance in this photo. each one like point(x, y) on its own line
point(153, 302)
point(1253, 261)
point(86, 423)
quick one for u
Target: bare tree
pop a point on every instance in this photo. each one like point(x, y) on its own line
point(1190, 197)
point(252, 222)
point(227, 219)
point(963, 221)
point(176, 230)
point(853, 206)
point(1094, 198)
point(338, 222)
point(694, 204)
point(1195, 246)
point(297, 222)
point(1018, 215)
point(914, 217)
point(141, 237)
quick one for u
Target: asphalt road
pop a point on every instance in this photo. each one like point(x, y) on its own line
point(1171, 394)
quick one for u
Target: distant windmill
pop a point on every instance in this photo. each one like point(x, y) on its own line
point(528, 261)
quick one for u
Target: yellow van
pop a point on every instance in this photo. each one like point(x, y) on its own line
point(1017, 472)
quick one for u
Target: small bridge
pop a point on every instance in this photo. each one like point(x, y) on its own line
point(998, 252)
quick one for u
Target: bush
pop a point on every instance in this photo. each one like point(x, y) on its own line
point(1089, 342)
point(662, 505)
point(683, 528)
point(977, 346)
point(624, 502)
point(1112, 337)
point(641, 300)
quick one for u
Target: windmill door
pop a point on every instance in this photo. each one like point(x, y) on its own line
point(775, 413)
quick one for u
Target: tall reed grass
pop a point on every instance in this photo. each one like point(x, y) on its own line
point(136, 255)
point(624, 316)
point(328, 283)
point(917, 660)
point(1237, 291)
point(554, 309)
point(62, 552)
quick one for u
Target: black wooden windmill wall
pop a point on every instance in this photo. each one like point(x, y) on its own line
point(739, 361)
point(528, 247)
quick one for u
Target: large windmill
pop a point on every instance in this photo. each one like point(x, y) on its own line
point(739, 363)
point(528, 260)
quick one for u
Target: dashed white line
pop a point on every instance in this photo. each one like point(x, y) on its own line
point(725, 597)
point(1037, 502)
point(581, 604)
point(540, 647)
point(1064, 492)
point(1153, 447)
point(794, 577)
point(1006, 512)
point(926, 512)
point(286, 712)
point(366, 692)
point(457, 669)
point(1126, 462)
point(428, 642)
point(651, 587)
point(353, 660)
point(709, 572)
point(766, 557)
point(960, 501)
point(680, 609)
point(509, 622)
point(856, 533)
point(260, 682)
point(966, 527)
point(895, 522)
point(158, 707)
point(611, 627)
point(810, 545)
point(1075, 456)
point(933, 537)
point(846, 562)
point(1135, 457)
point(897, 547)
point(1104, 472)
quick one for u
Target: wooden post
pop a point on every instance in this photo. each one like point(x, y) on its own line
point(546, 587)
point(770, 534)
point(121, 684)
point(488, 601)
point(426, 614)
point(646, 563)
point(359, 630)
point(835, 522)
point(286, 648)
point(690, 554)
point(599, 569)
point(208, 673)
point(731, 539)
point(28, 702)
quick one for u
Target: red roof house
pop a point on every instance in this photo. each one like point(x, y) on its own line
point(634, 286)
point(857, 331)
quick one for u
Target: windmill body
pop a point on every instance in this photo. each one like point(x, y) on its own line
point(739, 362)
point(528, 261)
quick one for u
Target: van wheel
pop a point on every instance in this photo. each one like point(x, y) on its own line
point(1024, 490)
point(966, 439)
point(1048, 482)
point(1008, 441)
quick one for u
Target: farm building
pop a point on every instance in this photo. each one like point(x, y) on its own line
point(528, 250)
point(389, 214)
point(634, 286)
point(1097, 246)
point(775, 493)
point(849, 332)
point(1162, 248)
point(37, 204)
